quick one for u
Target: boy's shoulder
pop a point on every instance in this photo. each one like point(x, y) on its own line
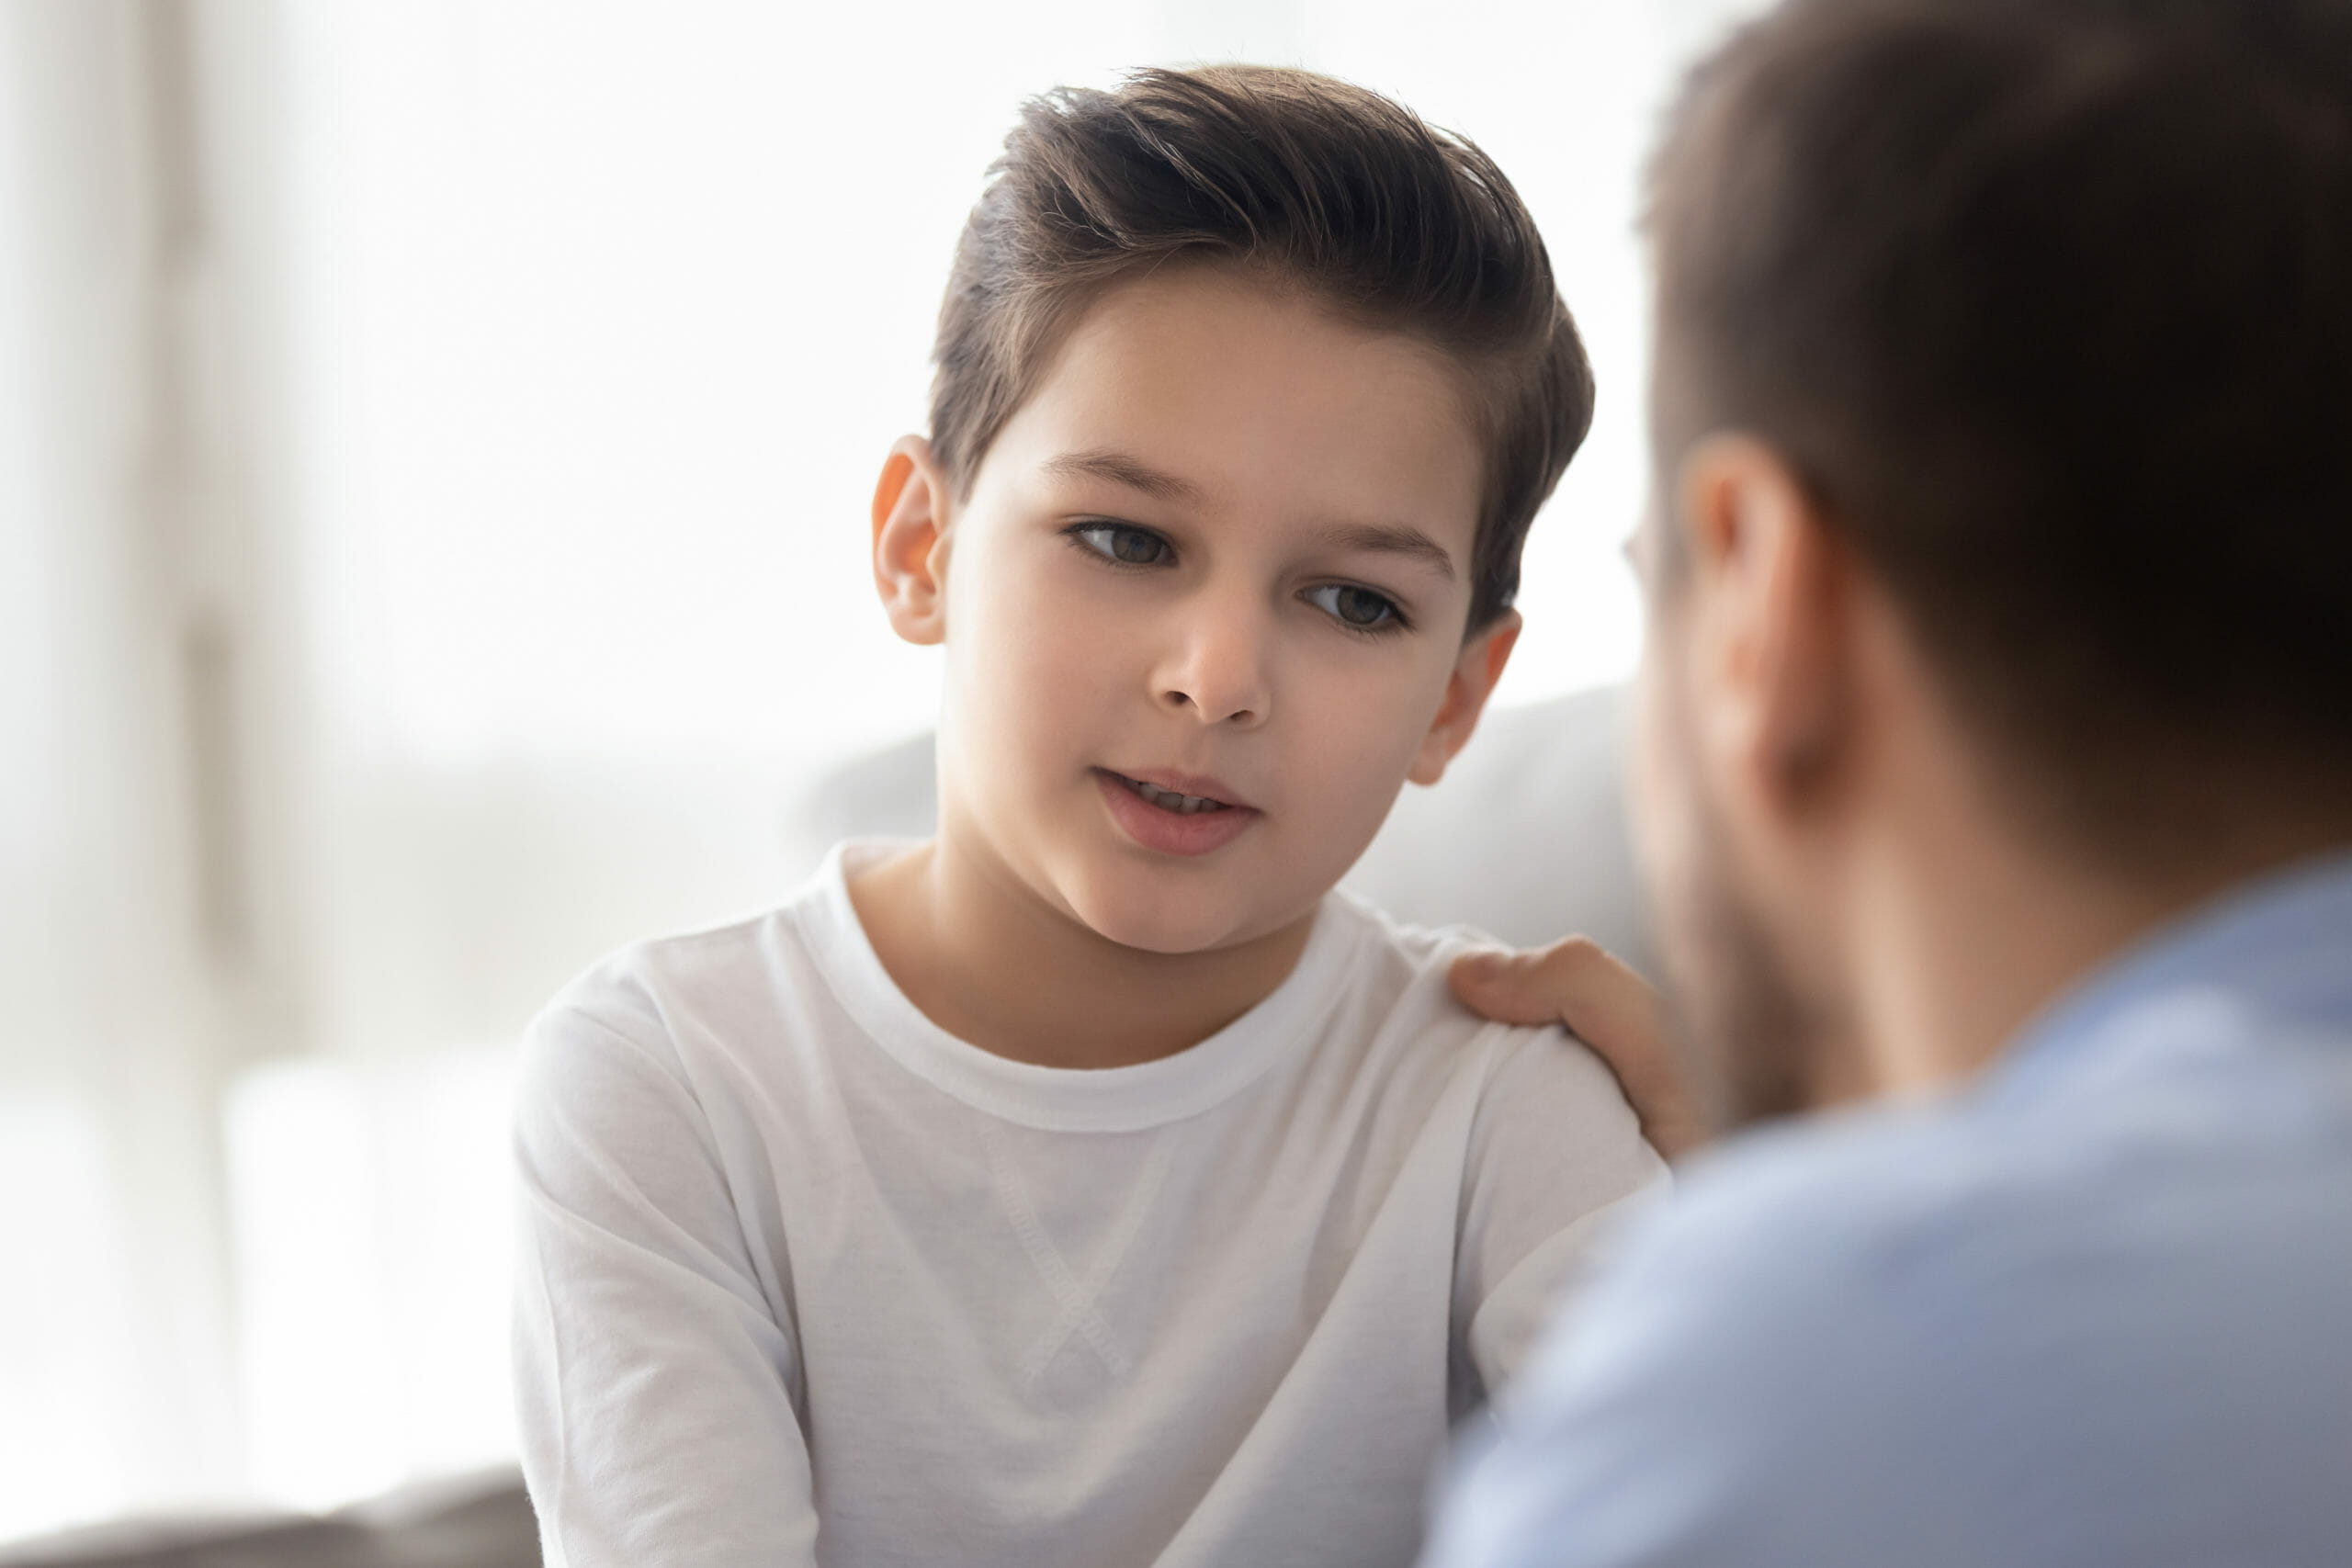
point(704, 982)
point(1403, 967)
point(1403, 962)
point(1413, 1019)
point(1393, 1000)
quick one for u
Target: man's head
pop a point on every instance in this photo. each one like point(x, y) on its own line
point(1249, 385)
point(2003, 375)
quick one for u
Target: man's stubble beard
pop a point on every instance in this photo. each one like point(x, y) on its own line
point(1748, 1033)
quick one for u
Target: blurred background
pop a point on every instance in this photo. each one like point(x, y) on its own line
point(435, 445)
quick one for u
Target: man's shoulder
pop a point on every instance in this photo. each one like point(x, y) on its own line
point(1919, 1324)
point(1849, 1181)
point(2132, 1192)
point(1805, 1228)
point(1834, 1290)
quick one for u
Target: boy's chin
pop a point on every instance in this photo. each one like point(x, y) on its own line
point(1158, 918)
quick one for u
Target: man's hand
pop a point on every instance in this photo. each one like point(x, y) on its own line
point(1605, 1005)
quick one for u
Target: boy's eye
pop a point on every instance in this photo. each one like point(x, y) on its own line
point(1358, 608)
point(1127, 546)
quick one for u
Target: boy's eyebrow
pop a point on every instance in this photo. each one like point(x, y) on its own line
point(1121, 469)
point(1393, 538)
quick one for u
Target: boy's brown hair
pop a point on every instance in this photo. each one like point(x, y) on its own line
point(1319, 183)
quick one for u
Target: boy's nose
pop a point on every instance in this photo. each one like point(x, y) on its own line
point(1219, 672)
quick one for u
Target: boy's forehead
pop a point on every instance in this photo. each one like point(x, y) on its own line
point(1243, 322)
point(1206, 387)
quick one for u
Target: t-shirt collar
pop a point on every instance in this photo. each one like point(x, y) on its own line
point(1109, 1099)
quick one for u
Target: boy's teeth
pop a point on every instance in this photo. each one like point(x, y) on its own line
point(1168, 800)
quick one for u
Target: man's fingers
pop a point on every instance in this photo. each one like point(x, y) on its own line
point(1605, 1004)
point(1514, 987)
point(1574, 982)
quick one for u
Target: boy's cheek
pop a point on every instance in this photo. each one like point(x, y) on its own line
point(1354, 737)
point(1010, 627)
point(1041, 683)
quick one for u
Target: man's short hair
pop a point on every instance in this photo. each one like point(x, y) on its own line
point(2049, 303)
point(1391, 222)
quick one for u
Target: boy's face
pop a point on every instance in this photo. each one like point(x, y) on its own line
point(1203, 607)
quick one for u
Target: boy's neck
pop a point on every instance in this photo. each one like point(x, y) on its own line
point(986, 959)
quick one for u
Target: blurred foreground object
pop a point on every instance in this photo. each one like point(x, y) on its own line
point(1994, 759)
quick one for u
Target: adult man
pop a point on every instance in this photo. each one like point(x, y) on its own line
point(1995, 786)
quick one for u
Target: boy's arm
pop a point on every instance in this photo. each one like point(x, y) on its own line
point(654, 1379)
point(1555, 1159)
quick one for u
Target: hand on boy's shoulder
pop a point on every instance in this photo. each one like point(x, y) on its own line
point(1576, 985)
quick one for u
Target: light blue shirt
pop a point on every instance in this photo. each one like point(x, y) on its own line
point(2097, 1309)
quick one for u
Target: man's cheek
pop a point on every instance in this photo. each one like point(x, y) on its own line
point(1650, 778)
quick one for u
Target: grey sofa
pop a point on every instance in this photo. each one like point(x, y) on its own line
point(475, 1521)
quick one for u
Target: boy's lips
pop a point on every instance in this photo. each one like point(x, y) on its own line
point(1197, 789)
point(1175, 814)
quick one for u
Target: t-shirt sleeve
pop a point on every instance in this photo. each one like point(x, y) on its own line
point(1555, 1163)
point(654, 1380)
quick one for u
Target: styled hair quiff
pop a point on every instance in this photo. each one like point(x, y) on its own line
point(1320, 184)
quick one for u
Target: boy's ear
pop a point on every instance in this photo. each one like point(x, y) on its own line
point(911, 512)
point(1476, 672)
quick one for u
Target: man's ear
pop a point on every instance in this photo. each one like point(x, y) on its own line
point(911, 507)
point(1476, 672)
point(1768, 591)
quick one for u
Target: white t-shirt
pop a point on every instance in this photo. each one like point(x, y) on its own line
point(805, 1279)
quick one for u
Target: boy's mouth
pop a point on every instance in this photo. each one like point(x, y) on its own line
point(1173, 800)
point(1174, 814)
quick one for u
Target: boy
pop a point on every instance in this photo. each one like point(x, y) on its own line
point(1092, 1184)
